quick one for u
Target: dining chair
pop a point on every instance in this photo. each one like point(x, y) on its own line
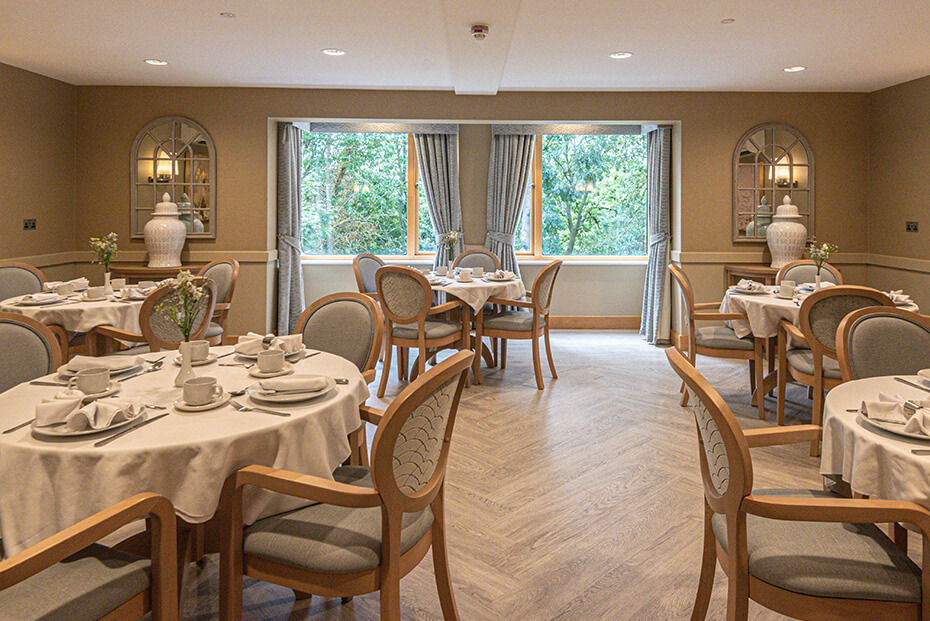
point(872, 342)
point(225, 273)
point(71, 576)
point(158, 332)
point(531, 324)
point(369, 527)
point(365, 265)
point(19, 279)
point(28, 349)
point(819, 317)
point(717, 341)
point(478, 257)
point(805, 270)
point(406, 303)
point(807, 554)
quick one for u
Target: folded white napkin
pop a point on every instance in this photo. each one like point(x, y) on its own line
point(919, 422)
point(79, 283)
point(899, 297)
point(136, 293)
point(890, 408)
point(56, 409)
point(811, 285)
point(750, 285)
point(310, 384)
point(114, 363)
point(41, 297)
point(252, 343)
point(501, 275)
point(103, 413)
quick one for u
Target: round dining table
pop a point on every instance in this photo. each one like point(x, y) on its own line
point(874, 462)
point(78, 315)
point(47, 484)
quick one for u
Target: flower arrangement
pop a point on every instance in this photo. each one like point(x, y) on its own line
point(820, 253)
point(183, 307)
point(448, 240)
point(104, 248)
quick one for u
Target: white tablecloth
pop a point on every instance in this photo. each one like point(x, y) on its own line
point(477, 292)
point(874, 462)
point(47, 485)
point(81, 316)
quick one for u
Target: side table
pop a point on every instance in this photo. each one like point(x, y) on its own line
point(135, 273)
point(754, 272)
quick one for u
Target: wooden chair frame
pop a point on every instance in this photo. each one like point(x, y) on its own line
point(540, 311)
point(102, 333)
point(480, 251)
point(358, 274)
point(221, 308)
point(385, 494)
point(787, 266)
point(45, 331)
point(421, 342)
point(846, 326)
point(708, 311)
point(738, 501)
point(161, 599)
point(805, 335)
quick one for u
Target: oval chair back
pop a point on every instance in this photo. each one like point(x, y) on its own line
point(365, 265)
point(873, 342)
point(28, 350)
point(822, 312)
point(224, 273)
point(687, 293)
point(346, 324)
point(404, 293)
point(159, 331)
point(543, 285)
point(478, 258)
point(805, 270)
point(19, 279)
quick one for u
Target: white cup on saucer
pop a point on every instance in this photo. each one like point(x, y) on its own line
point(199, 350)
point(95, 293)
point(786, 288)
point(91, 381)
point(271, 360)
point(64, 289)
point(465, 274)
point(201, 390)
point(117, 283)
point(442, 270)
point(425, 271)
point(477, 272)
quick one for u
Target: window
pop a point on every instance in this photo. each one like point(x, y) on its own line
point(587, 197)
point(360, 194)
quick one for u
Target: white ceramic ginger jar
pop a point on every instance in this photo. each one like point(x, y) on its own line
point(786, 235)
point(165, 235)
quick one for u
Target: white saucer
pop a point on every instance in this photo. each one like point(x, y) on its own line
point(784, 297)
point(299, 352)
point(287, 370)
point(111, 389)
point(64, 372)
point(85, 298)
point(184, 407)
point(42, 303)
point(747, 292)
point(59, 431)
point(489, 279)
point(197, 363)
point(291, 397)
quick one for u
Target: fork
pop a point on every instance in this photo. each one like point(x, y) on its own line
point(245, 408)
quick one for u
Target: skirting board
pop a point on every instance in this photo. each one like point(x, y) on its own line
point(594, 322)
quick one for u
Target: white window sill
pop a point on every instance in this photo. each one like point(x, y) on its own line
point(421, 260)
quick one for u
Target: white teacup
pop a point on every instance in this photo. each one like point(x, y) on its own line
point(198, 350)
point(201, 390)
point(271, 360)
point(477, 272)
point(425, 271)
point(465, 274)
point(64, 289)
point(442, 270)
point(117, 283)
point(786, 288)
point(91, 381)
point(95, 293)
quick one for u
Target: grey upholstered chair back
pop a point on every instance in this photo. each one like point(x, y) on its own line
point(16, 280)
point(478, 258)
point(805, 271)
point(827, 313)
point(222, 275)
point(367, 266)
point(545, 282)
point(343, 326)
point(155, 320)
point(25, 353)
point(886, 344)
point(715, 451)
point(403, 295)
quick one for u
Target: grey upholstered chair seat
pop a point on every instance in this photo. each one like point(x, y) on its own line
point(330, 539)
point(824, 559)
point(721, 337)
point(213, 330)
point(518, 321)
point(433, 328)
point(803, 361)
point(87, 585)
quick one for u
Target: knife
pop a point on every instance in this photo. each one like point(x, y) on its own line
point(904, 381)
point(131, 428)
point(43, 383)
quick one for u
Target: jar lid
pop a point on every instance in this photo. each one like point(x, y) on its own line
point(787, 210)
point(166, 207)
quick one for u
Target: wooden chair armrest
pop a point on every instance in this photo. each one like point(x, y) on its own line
point(221, 306)
point(852, 510)
point(792, 330)
point(116, 333)
point(707, 305)
point(308, 487)
point(443, 308)
point(508, 302)
point(781, 435)
point(370, 414)
point(717, 316)
point(369, 375)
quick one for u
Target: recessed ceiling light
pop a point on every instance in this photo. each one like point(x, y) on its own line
point(156, 62)
point(332, 51)
point(795, 69)
point(728, 20)
point(227, 14)
point(619, 55)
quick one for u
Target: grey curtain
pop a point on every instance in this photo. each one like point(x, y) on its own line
point(290, 278)
point(438, 157)
point(508, 178)
point(656, 318)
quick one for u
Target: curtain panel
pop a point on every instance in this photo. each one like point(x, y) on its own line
point(290, 276)
point(508, 183)
point(438, 157)
point(656, 318)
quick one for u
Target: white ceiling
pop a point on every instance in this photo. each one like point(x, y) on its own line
point(847, 45)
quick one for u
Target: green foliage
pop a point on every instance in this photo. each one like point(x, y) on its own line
point(104, 248)
point(594, 195)
point(183, 306)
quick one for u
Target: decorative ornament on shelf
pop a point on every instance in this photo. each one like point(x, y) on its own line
point(820, 254)
point(188, 216)
point(183, 308)
point(105, 248)
point(786, 236)
point(165, 235)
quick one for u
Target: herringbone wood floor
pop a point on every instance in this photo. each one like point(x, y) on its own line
point(581, 501)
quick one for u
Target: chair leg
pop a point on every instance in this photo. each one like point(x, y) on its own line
point(441, 562)
point(549, 354)
point(708, 567)
point(782, 380)
point(537, 365)
point(759, 376)
point(390, 574)
point(386, 369)
point(503, 354)
point(752, 375)
point(495, 348)
point(817, 416)
point(358, 447)
point(401, 363)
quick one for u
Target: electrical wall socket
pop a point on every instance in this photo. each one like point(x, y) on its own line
point(29, 224)
point(911, 226)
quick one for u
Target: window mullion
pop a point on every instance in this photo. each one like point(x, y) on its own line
point(536, 237)
point(413, 198)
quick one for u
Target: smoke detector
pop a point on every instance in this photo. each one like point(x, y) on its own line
point(479, 31)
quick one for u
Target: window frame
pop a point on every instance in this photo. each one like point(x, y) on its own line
point(535, 252)
point(413, 218)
